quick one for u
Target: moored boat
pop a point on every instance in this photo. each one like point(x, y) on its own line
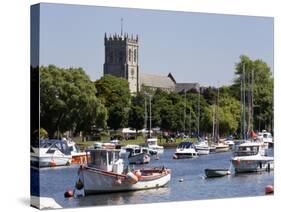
point(185, 150)
point(251, 157)
point(107, 172)
point(222, 147)
point(266, 138)
point(136, 154)
point(216, 172)
point(51, 153)
point(202, 147)
point(152, 143)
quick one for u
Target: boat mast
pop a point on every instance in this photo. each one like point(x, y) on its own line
point(241, 107)
point(252, 100)
point(213, 118)
point(249, 103)
point(150, 115)
point(198, 112)
point(184, 111)
point(244, 102)
point(218, 120)
point(145, 116)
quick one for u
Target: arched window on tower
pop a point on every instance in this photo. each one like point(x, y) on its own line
point(111, 56)
point(130, 55)
point(120, 56)
point(135, 55)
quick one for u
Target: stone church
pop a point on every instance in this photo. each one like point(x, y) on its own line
point(122, 60)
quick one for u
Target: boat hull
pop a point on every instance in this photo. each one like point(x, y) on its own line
point(222, 149)
point(48, 161)
point(245, 165)
point(141, 158)
point(95, 182)
point(185, 155)
point(202, 151)
point(216, 172)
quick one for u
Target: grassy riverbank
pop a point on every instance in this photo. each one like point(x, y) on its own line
point(138, 141)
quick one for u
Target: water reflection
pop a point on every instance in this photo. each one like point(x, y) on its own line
point(55, 181)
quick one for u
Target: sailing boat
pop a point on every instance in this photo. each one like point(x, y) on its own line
point(250, 156)
point(219, 145)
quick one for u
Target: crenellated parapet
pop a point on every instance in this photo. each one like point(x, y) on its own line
point(122, 38)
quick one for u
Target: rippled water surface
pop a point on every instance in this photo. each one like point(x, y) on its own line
point(55, 181)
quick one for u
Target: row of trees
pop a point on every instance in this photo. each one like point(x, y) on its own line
point(69, 100)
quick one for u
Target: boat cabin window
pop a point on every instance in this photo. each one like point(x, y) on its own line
point(102, 158)
point(137, 151)
point(151, 142)
point(267, 136)
point(112, 156)
point(145, 150)
point(74, 148)
point(98, 158)
point(247, 151)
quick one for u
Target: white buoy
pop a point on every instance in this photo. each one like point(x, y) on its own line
point(181, 180)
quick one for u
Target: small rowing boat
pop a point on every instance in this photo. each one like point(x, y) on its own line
point(216, 172)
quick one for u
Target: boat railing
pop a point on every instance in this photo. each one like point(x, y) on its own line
point(245, 153)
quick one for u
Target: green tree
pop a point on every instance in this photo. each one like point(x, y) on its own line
point(115, 95)
point(258, 72)
point(68, 101)
point(136, 114)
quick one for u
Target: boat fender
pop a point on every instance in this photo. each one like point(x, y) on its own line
point(68, 194)
point(79, 184)
point(117, 182)
point(238, 162)
point(228, 172)
point(138, 174)
point(175, 157)
point(269, 189)
point(132, 179)
point(52, 163)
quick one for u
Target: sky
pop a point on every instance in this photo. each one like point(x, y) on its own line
point(194, 47)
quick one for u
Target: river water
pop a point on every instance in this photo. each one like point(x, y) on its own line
point(55, 181)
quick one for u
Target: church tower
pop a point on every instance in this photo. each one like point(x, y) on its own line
point(122, 58)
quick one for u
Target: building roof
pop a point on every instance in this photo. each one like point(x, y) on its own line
point(156, 81)
point(181, 87)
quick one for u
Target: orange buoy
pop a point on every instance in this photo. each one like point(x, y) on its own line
point(52, 163)
point(269, 189)
point(68, 194)
point(138, 174)
point(132, 179)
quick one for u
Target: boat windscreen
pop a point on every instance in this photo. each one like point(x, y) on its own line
point(185, 145)
point(58, 144)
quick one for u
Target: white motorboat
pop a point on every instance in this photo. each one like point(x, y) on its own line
point(222, 147)
point(152, 144)
point(202, 147)
point(51, 153)
point(266, 137)
point(251, 157)
point(185, 150)
point(137, 154)
point(106, 172)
